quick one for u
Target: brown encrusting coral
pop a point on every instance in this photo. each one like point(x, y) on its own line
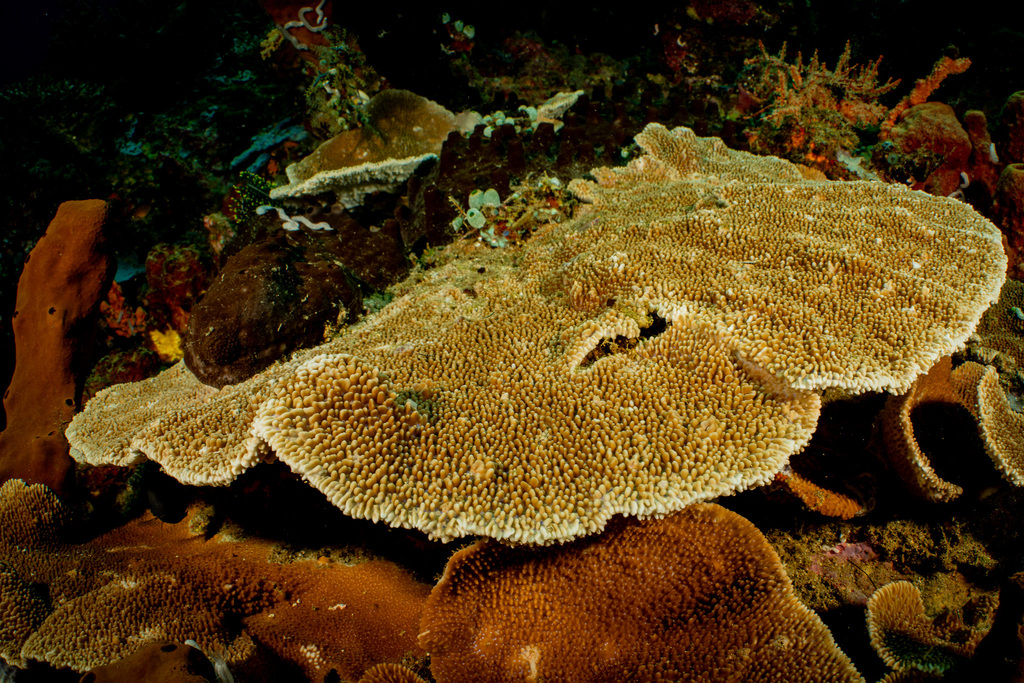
point(161, 661)
point(698, 595)
point(662, 348)
point(148, 581)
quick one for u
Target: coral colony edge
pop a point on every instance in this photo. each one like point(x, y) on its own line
point(675, 357)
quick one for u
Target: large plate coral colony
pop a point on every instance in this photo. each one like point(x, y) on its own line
point(469, 397)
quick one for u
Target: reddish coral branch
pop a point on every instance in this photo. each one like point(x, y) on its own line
point(924, 87)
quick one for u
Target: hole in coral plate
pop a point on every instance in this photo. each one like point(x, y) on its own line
point(51, 433)
point(69, 402)
point(169, 647)
point(52, 310)
point(16, 314)
point(650, 327)
point(481, 270)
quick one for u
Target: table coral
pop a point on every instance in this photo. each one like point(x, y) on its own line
point(974, 386)
point(1002, 428)
point(698, 595)
point(901, 446)
point(664, 347)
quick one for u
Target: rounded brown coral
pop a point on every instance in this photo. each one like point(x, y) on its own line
point(699, 595)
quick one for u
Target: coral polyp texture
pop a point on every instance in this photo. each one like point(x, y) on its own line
point(664, 347)
point(697, 596)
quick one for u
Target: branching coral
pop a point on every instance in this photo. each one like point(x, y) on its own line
point(812, 111)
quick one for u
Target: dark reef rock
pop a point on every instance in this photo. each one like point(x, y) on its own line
point(272, 297)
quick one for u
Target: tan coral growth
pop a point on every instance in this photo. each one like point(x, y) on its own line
point(211, 442)
point(911, 463)
point(698, 595)
point(22, 610)
point(973, 386)
point(390, 673)
point(402, 131)
point(1002, 429)
point(906, 638)
point(30, 515)
point(1000, 334)
point(663, 348)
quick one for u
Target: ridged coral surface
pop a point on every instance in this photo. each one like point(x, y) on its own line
point(697, 596)
point(662, 348)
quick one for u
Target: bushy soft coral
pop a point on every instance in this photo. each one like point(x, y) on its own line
point(812, 111)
